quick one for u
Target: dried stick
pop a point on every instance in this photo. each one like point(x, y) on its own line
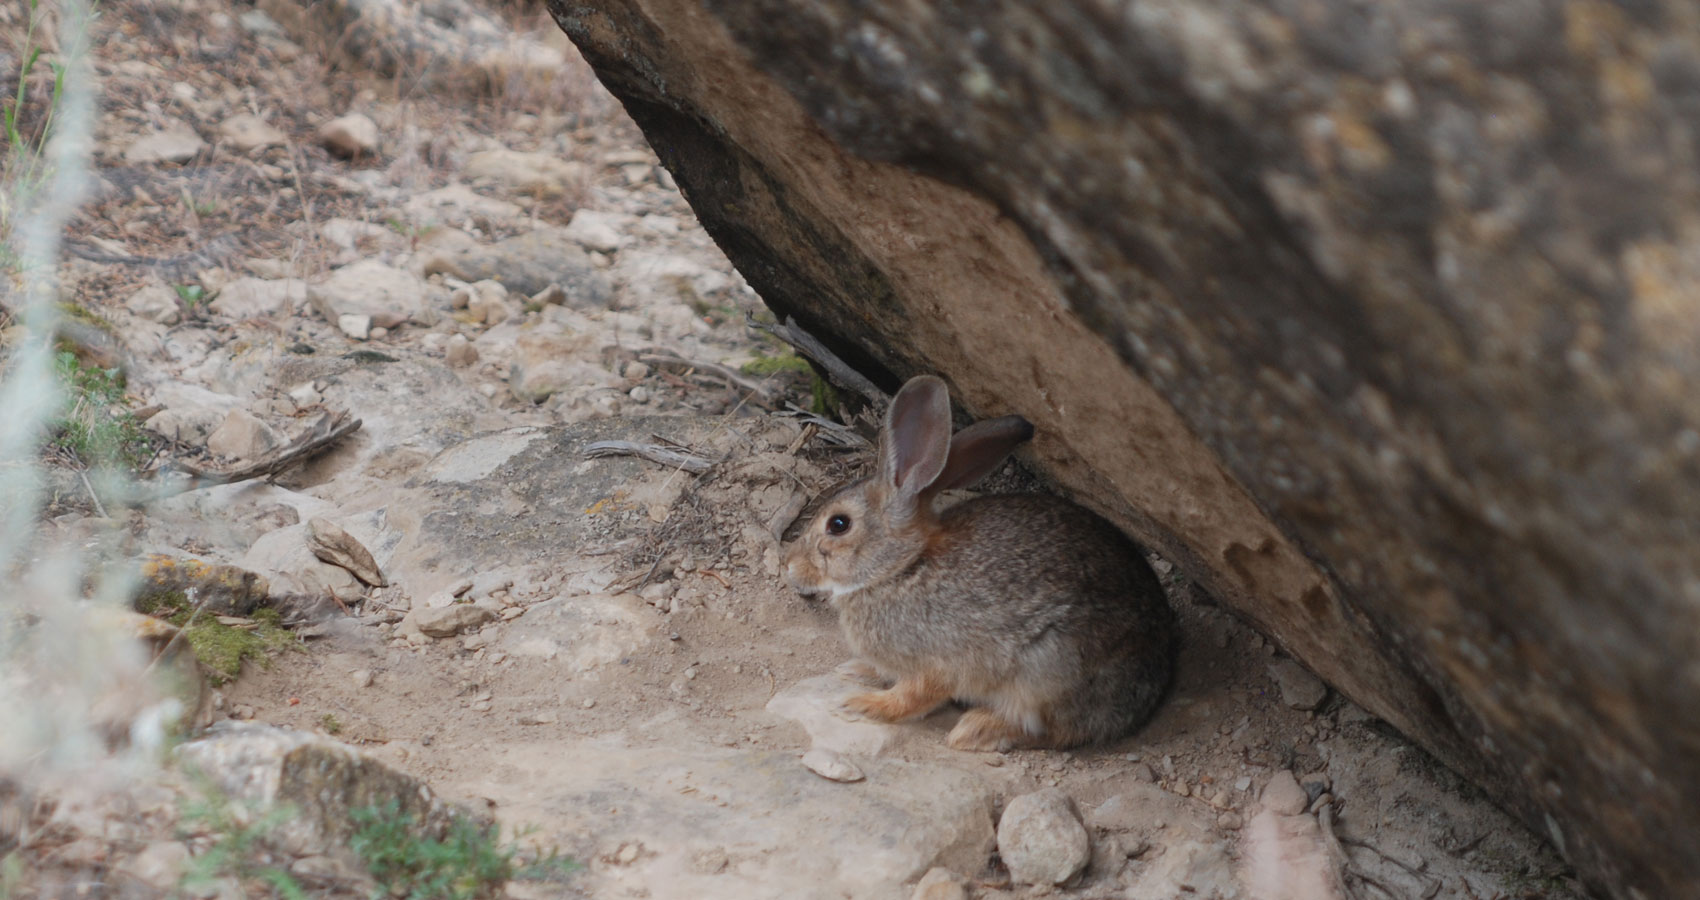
point(693, 463)
point(837, 370)
point(327, 431)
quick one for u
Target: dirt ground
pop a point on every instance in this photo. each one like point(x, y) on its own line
point(690, 645)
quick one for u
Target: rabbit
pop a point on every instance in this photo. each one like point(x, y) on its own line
point(1037, 614)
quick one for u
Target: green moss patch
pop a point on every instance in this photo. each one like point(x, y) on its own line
point(220, 648)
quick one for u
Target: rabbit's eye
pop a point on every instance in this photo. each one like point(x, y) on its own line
point(838, 524)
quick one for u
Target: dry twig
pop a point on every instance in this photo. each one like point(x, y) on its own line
point(837, 370)
point(321, 435)
point(691, 462)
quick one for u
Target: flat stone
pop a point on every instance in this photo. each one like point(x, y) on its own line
point(156, 303)
point(795, 834)
point(1283, 796)
point(246, 131)
point(448, 621)
point(603, 231)
point(528, 264)
point(813, 703)
point(318, 779)
point(545, 364)
point(243, 436)
point(539, 174)
point(389, 296)
point(355, 326)
point(940, 884)
point(176, 144)
point(1042, 840)
point(457, 205)
point(1299, 689)
point(351, 136)
point(831, 765)
point(251, 298)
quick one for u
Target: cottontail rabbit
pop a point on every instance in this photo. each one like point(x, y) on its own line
point(1038, 614)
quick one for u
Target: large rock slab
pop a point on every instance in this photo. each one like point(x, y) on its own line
point(742, 825)
point(1381, 320)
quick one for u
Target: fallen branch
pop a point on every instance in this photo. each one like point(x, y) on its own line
point(828, 430)
point(319, 437)
point(837, 370)
point(694, 463)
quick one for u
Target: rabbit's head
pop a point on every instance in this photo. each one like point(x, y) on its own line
point(882, 524)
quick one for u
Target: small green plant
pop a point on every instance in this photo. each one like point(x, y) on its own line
point(330, 723)
point(96, 426)
point(411, 232)
point(27, 152)
point(769, 365)
point(238, 849)
point(190, 294)
point(467, 863)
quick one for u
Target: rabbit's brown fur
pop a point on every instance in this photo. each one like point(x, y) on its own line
point(1038, 614)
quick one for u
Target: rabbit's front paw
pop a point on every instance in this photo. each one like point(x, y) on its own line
point(861, 673)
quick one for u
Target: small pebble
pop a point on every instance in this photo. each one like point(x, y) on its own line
point(940, 884)
point(831, 765)
point(1283, 796)
point(628, 854)
point(589, 703)
point(362, 678)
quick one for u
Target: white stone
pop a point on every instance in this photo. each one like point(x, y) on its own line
point(177, 143)
point(246, 131)
point(1299, 688)
point(1041, 839)
point(532, 173)
point(353, 135)
point(156, 303)
point(830, 764)
point(448, 621)
point(940, 884)
point(460, 353)
point(243, 436)
point(356, 327)
point(390, 296)
point(546, 364)
point(596, 230)
point(455, 205)
point(251, 298)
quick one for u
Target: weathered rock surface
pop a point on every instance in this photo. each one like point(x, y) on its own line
point(758, 813)
point(1380, 321)
point(247, 298)
point(322, 781)
point(387, 295)
point(531, 262)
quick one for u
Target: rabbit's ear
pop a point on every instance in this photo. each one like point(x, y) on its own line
point(980, 448)
point(917, 436)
